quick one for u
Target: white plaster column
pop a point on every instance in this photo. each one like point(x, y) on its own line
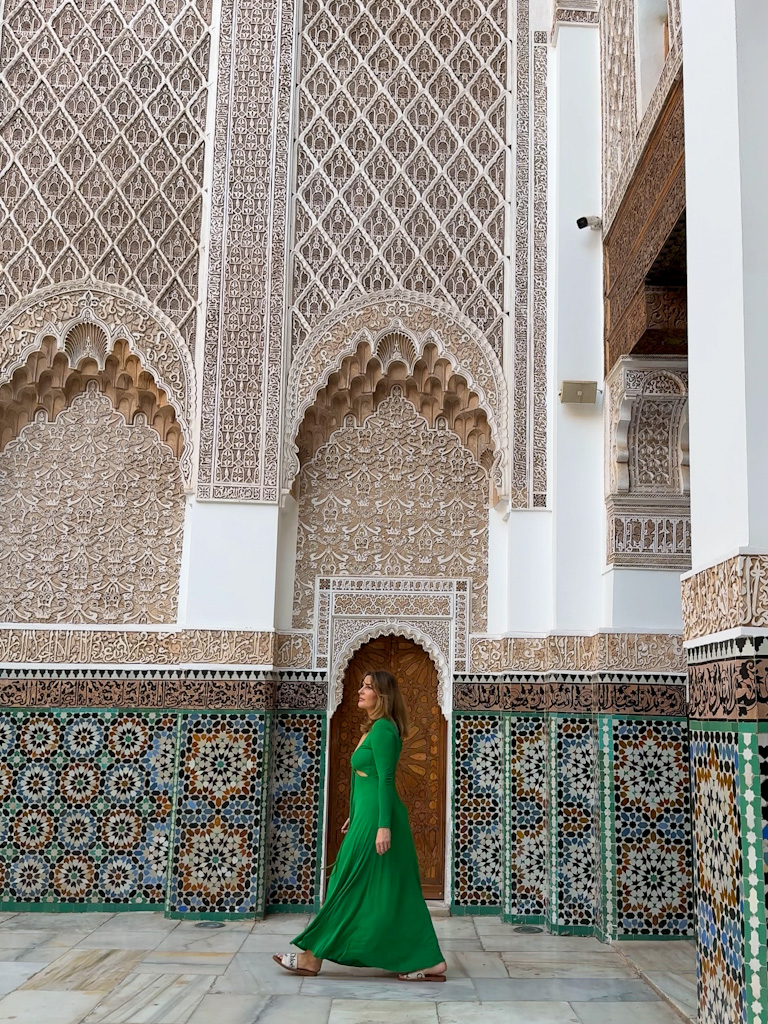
point(230, 566)
point(576, 324)
point(726, 156)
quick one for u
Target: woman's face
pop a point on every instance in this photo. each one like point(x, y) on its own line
point(366, 697)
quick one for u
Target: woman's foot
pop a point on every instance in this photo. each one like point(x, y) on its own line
point(304, 963)
point(436, 973)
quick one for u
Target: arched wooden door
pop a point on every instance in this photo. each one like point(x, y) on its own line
point(422, 768)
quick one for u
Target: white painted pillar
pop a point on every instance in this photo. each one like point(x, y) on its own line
point(576, 319)
point(230, 566)
point(726, 156)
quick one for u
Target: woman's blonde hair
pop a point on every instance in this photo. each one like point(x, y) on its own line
point(389, 702)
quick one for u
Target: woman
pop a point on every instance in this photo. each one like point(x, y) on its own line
point(374, 914)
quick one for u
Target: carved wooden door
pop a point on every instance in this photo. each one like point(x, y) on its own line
point(421, 770)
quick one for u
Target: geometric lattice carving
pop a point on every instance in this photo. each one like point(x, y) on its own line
point(48, 381)
point(102, 121)
point(91, 519)
point(401, 156)
point(427, 381)
point(91, 320)
point(392, 497)
point(647, 469)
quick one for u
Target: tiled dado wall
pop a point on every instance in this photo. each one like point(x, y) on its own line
point(575, 814)
point(570, 796)
point(729, 783)
point(197, 812)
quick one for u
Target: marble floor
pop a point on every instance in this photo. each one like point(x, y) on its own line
point(139, 968)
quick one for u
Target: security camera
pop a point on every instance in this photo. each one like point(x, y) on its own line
point(589, 222)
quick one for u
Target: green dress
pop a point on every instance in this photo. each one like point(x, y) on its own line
point(374, 914)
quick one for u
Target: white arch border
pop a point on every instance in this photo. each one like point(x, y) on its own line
point(390, 627)
point(424, 319)
point(123, 315)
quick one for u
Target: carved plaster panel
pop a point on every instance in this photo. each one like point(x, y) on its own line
point(91, 519)
point(392, 497)
point(114, 315)
point(611, 652)
point(401, 168)
point(730, 595)
point(101, 148)
point(421, 321)
point(351, 611)
point(647, 475)
point(136, 647)
point(243, 361)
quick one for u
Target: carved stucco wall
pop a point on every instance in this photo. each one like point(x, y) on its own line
point(647, 485)
point(392, 497)
point(625, 133)
point(401, 157)
point(91, 519)
point(102, 124)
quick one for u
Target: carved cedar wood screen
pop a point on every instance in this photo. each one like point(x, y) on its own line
point(421, 771)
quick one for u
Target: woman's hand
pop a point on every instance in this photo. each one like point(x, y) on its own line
point(345, 827)
point(383, 840)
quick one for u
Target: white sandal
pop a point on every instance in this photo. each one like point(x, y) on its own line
point(421, 976)
point(290, 962)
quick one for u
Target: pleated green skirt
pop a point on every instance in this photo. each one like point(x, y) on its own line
point(374, 914)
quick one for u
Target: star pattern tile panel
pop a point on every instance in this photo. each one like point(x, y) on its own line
point(296, 792)
point(652, 814)
point(477, 811)
point(85, 808)
point(217, 863)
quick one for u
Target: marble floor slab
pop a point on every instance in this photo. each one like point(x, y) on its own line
point(568, 964)
point(625, 1013)
point(110, 938)
point(507, 1013)
point(361, 1011)
point(455, 990)
point(461, 944)
point(44, 921)
point(46, 1007)
point(294, 1010)
point(85, 970)
point(567, 990)
point(475, 965)
point(152, 999)
point(188, 941)
point(23, 938)
point(15, 973)
point(455, 928)
point(508, 941)
point(679, 989)
point(660, 956)
point(230, 1009)
point(256, 973)
point(184, 962)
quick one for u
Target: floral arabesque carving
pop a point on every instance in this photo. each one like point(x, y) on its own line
point(117, 315)
point(401, 163)
point(396, 498)
point(422, 320)
point(371, 631)
point(101, 147)
point(243, 376)
point(91, 519)
point(647, 485)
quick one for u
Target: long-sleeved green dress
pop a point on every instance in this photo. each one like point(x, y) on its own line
point(374, 914)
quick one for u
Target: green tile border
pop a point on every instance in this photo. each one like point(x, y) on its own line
point(462, 910)
point(752, 879)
